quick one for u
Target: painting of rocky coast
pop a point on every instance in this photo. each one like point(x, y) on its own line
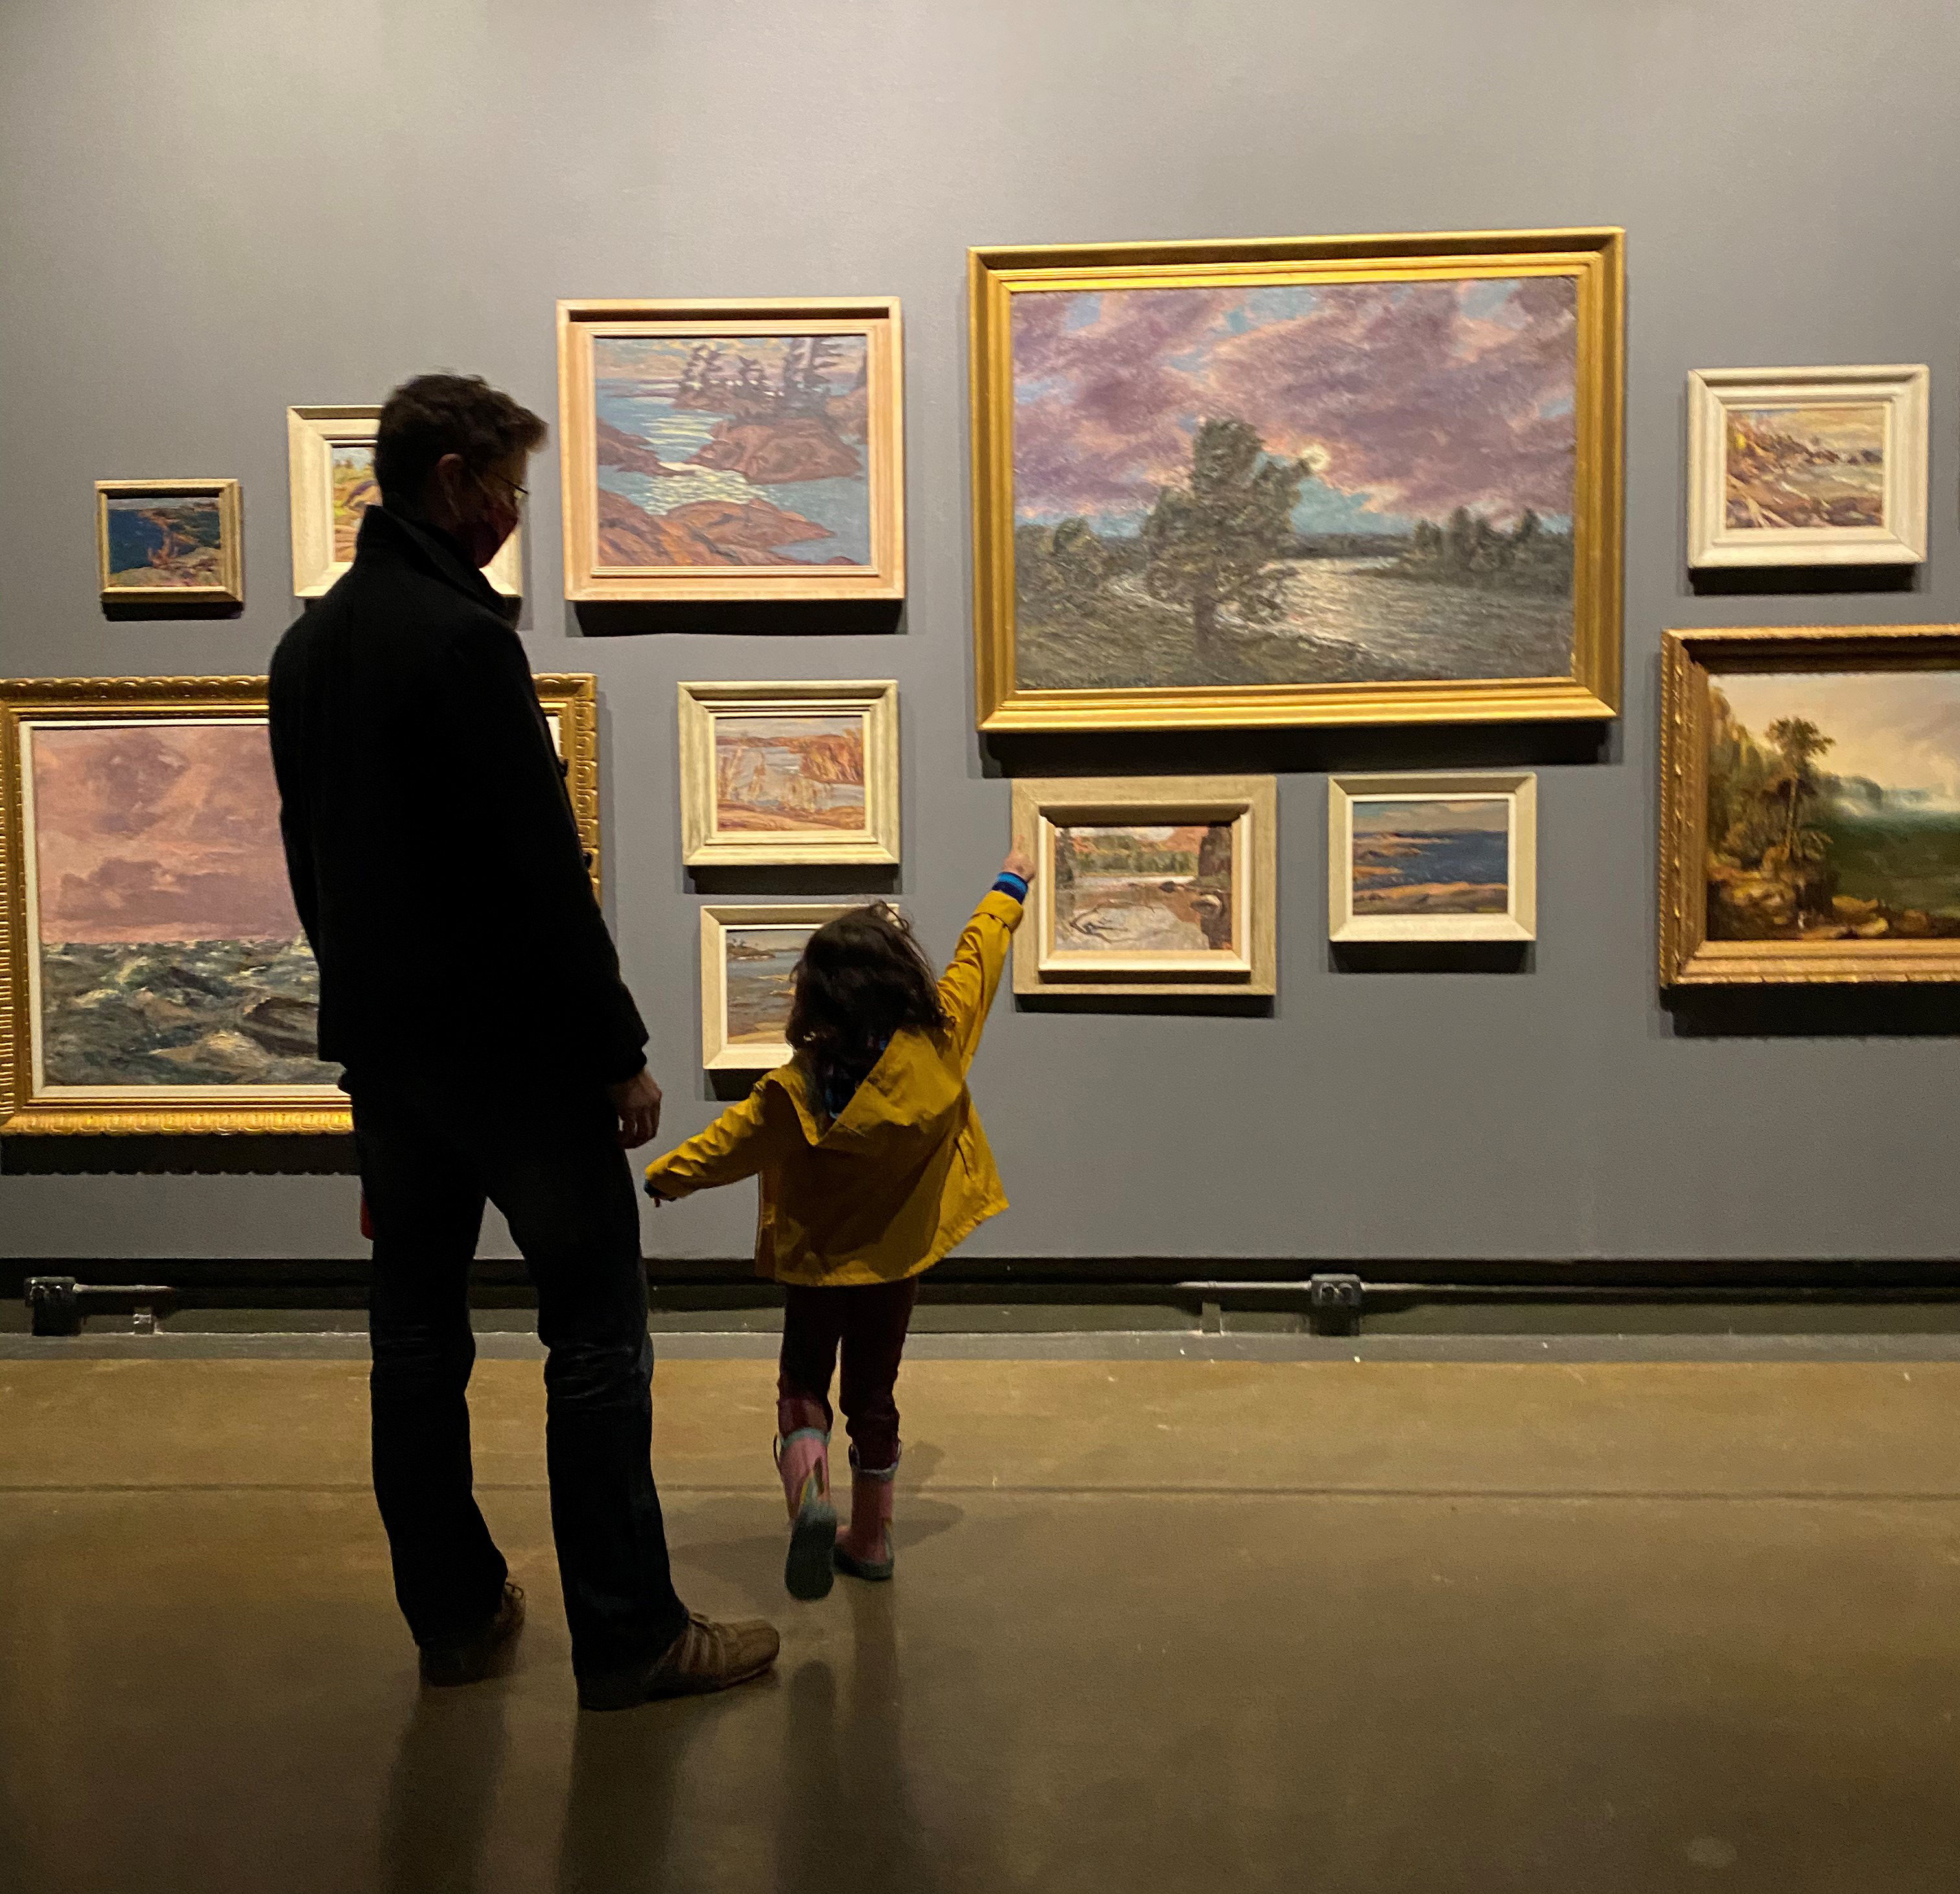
point(1431, 855)
point(156, 541)
point(742, 449)
point(789, 775)
point(169, 953)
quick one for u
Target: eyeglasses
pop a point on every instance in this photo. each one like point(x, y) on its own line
point(520, 494)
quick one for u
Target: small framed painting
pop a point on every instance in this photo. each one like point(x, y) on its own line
point(168, 542)
point(1433, 858)
point(790, 772)
point(1807, 466)
point(1810, 805)
point(748, 962)
point(1148, 884)
point(330, 465)
point(732, 450)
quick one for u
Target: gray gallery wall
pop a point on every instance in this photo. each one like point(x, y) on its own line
point(214, 209)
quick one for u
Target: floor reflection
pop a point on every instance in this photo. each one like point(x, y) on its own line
point(441, 1790)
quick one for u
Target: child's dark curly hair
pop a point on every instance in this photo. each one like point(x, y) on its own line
point(861, 978)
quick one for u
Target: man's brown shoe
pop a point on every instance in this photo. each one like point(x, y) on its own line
point(469, 1660)
point(705, 1657)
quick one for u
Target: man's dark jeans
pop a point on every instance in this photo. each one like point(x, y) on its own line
point(429, 1160)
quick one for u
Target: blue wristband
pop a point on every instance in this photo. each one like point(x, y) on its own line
point(1011, 885)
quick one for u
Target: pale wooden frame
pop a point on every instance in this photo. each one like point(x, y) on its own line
point(1251, 804)
point(702, 843)
point(312, 434)
point(1689, 660)
point(1901, 388)
point(230, 587)
point(571, 698)
point(716, 1054)
point(1518, 789)
point(1593, 257)
point(876, 318)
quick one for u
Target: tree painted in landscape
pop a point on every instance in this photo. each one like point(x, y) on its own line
point(1128, 888)
point(1298, 483)
point(1431, 855)
point(1868, 849)
point(732, 451)
point(787, 775)
point(169, 950)
point(1823, 465)
point(164, 542)
point(354, 491)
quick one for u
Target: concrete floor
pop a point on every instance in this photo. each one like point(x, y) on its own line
point(1199, 1625)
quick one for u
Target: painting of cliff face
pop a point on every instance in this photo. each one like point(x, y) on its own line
point(162, 541)
point(354, 491)
point(1796, 466)
point(168, 951)
point(1833, 805)
point(1310, 483)
point(790, 776)
point(1431, 855)
point(759, 967)
point(1136, 889)
point(731, 449)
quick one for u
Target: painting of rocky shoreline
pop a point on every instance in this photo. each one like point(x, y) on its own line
point(1297, 484)
point(156, 541)
point(789, 775)
point(743, 449)
point(1431, 855)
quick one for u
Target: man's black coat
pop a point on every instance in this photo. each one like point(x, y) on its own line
point(434, 857)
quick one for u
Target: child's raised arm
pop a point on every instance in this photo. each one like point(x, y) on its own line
point(967, 988)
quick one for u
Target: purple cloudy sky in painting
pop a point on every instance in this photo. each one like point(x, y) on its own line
point(1413, 398)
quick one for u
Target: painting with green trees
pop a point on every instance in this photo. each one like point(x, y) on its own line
point(1144, 888)
point(1834, 805)
point(1297, 484)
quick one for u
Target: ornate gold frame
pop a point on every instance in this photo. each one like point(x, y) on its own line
point(1688, 660)
point(229, 589)
point(874, 317)
point(1595, 257)
point(570, 700)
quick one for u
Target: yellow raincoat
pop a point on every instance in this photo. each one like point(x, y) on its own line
point(887, 1188)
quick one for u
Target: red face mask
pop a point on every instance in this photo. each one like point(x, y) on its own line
point(483, 535)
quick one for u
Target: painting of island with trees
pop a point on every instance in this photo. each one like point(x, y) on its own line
point(789, 774)
point(1834, 805)
point(1311, 483)
point(1138, 888)
point(1431, 855)
point(154, 540)
point(169, 953)
point(737, 450)
point(1794, 467)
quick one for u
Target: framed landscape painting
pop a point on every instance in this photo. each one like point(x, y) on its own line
point(1810, 813)
point(748, 957)
point(168, 542)
point(154, 976)
point(1807, 466)
point(789, 773)
point(330, 466)
point(1317, 480)
point(1433, 858)
point(1148, 884)
point(728, 450)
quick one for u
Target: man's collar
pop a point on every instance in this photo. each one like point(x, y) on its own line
point(426, 546)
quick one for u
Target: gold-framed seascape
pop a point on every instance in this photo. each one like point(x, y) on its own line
point(153, 974)
point(173, 542)
point(1173, 529)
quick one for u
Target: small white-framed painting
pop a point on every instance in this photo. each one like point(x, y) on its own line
point(789, 773)
point(330, 465)
point(748, 957)
point(1433, 858)
point(1807, 466)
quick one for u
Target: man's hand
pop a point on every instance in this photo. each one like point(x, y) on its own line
point(637, 1102)
point(1019, 863)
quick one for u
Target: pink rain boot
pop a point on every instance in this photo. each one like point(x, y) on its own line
point(803, 1458)
point(865, 1551)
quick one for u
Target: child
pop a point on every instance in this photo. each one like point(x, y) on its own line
point(873, 1165)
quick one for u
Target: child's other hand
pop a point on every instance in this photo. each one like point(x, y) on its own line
point(1020, 863)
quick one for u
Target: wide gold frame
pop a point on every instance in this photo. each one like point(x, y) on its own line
point(1594, 258)
point(718, 1054)
point(874, 317)
point(705, 845)
point(1250, 804)
point(1689, 660)
point(229, 589)
point(570, 700)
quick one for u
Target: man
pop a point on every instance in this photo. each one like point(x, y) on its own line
point(470, 988)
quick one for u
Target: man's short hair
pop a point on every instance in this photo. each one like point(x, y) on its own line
point(435, 414)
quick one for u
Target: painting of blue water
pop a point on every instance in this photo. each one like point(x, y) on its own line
point(1431, 855)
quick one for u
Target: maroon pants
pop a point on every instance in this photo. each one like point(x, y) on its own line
point(868, 1322)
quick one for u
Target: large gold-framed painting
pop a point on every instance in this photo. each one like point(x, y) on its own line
point(732, 450)
point(154, 976)
point(1315, 480)
point(1810, 805)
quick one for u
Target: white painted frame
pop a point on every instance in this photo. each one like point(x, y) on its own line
point(1518, 789)
point(717, 1055)
point(311, 434)
point(1900, 388)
